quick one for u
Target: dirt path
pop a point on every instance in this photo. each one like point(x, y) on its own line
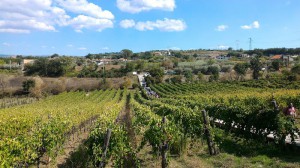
point(71, 145)
point(125, 119)
point(128, 123)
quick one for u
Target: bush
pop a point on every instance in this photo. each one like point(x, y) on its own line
point(60, 86)
point(214, 77)
point(213, 70)
point(105, 84)
point(27, 85)
point(176, 79)
point(126, 84)
point(226, 69)
point(37, 90)
point(296, 69)
point(200, 76)
point(135, 85)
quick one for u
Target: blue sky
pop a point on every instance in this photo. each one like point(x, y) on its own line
point(79, 27)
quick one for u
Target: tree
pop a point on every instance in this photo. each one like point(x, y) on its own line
point(140, 65)
point(89, 56)
point(276, 64)
point(157, 75)
point(188, 75)
point(135, 56)
point(126, 53)
point(256, 66)
point(46, 67)
point(54, 55)
point(177, 54)
point(168, 64)
point(240, 69)
point(296, 69)
point(55, 69)
point(2, 62)
point(147, 55)
point(39, 67)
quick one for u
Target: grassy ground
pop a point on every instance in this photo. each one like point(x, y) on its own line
point(198, 157)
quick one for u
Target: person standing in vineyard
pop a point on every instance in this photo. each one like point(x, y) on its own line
point(290, 111)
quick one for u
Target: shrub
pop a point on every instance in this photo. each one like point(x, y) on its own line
point(135, 85)
point(126, 83)
point(176, 79)
point(105, 84)
point(28, 84)
point(37, 90)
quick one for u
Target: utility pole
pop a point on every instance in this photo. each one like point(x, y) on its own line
point(250, 43)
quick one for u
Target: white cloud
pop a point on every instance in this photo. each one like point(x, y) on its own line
point(9, 30)
point(168, 25)
point(84, 7)
point(25, 16)
point(246, 27)
point(254, 25)
point(6, 44)
point(127, 23)
point(69, 45)
point(105, 48)
point(82, 48)
point(136, 6)
point(27, 24)
point(174, 48)
point(60, 16)
point(223, 47)
point(221, 28)
point(86, 22)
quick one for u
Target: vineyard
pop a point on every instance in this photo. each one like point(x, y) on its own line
point(190, 125)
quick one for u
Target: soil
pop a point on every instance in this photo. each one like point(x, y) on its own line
point(71, 146)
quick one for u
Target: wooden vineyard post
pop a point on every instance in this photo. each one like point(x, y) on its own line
point(164, 147)
point(105, 147)
point(210, 143)
point(276, 108)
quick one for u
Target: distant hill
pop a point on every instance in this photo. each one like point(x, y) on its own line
point(4, 55)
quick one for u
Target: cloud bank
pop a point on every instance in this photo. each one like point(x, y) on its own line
point(46, 15)
point(136, 6)
point(166, 25)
